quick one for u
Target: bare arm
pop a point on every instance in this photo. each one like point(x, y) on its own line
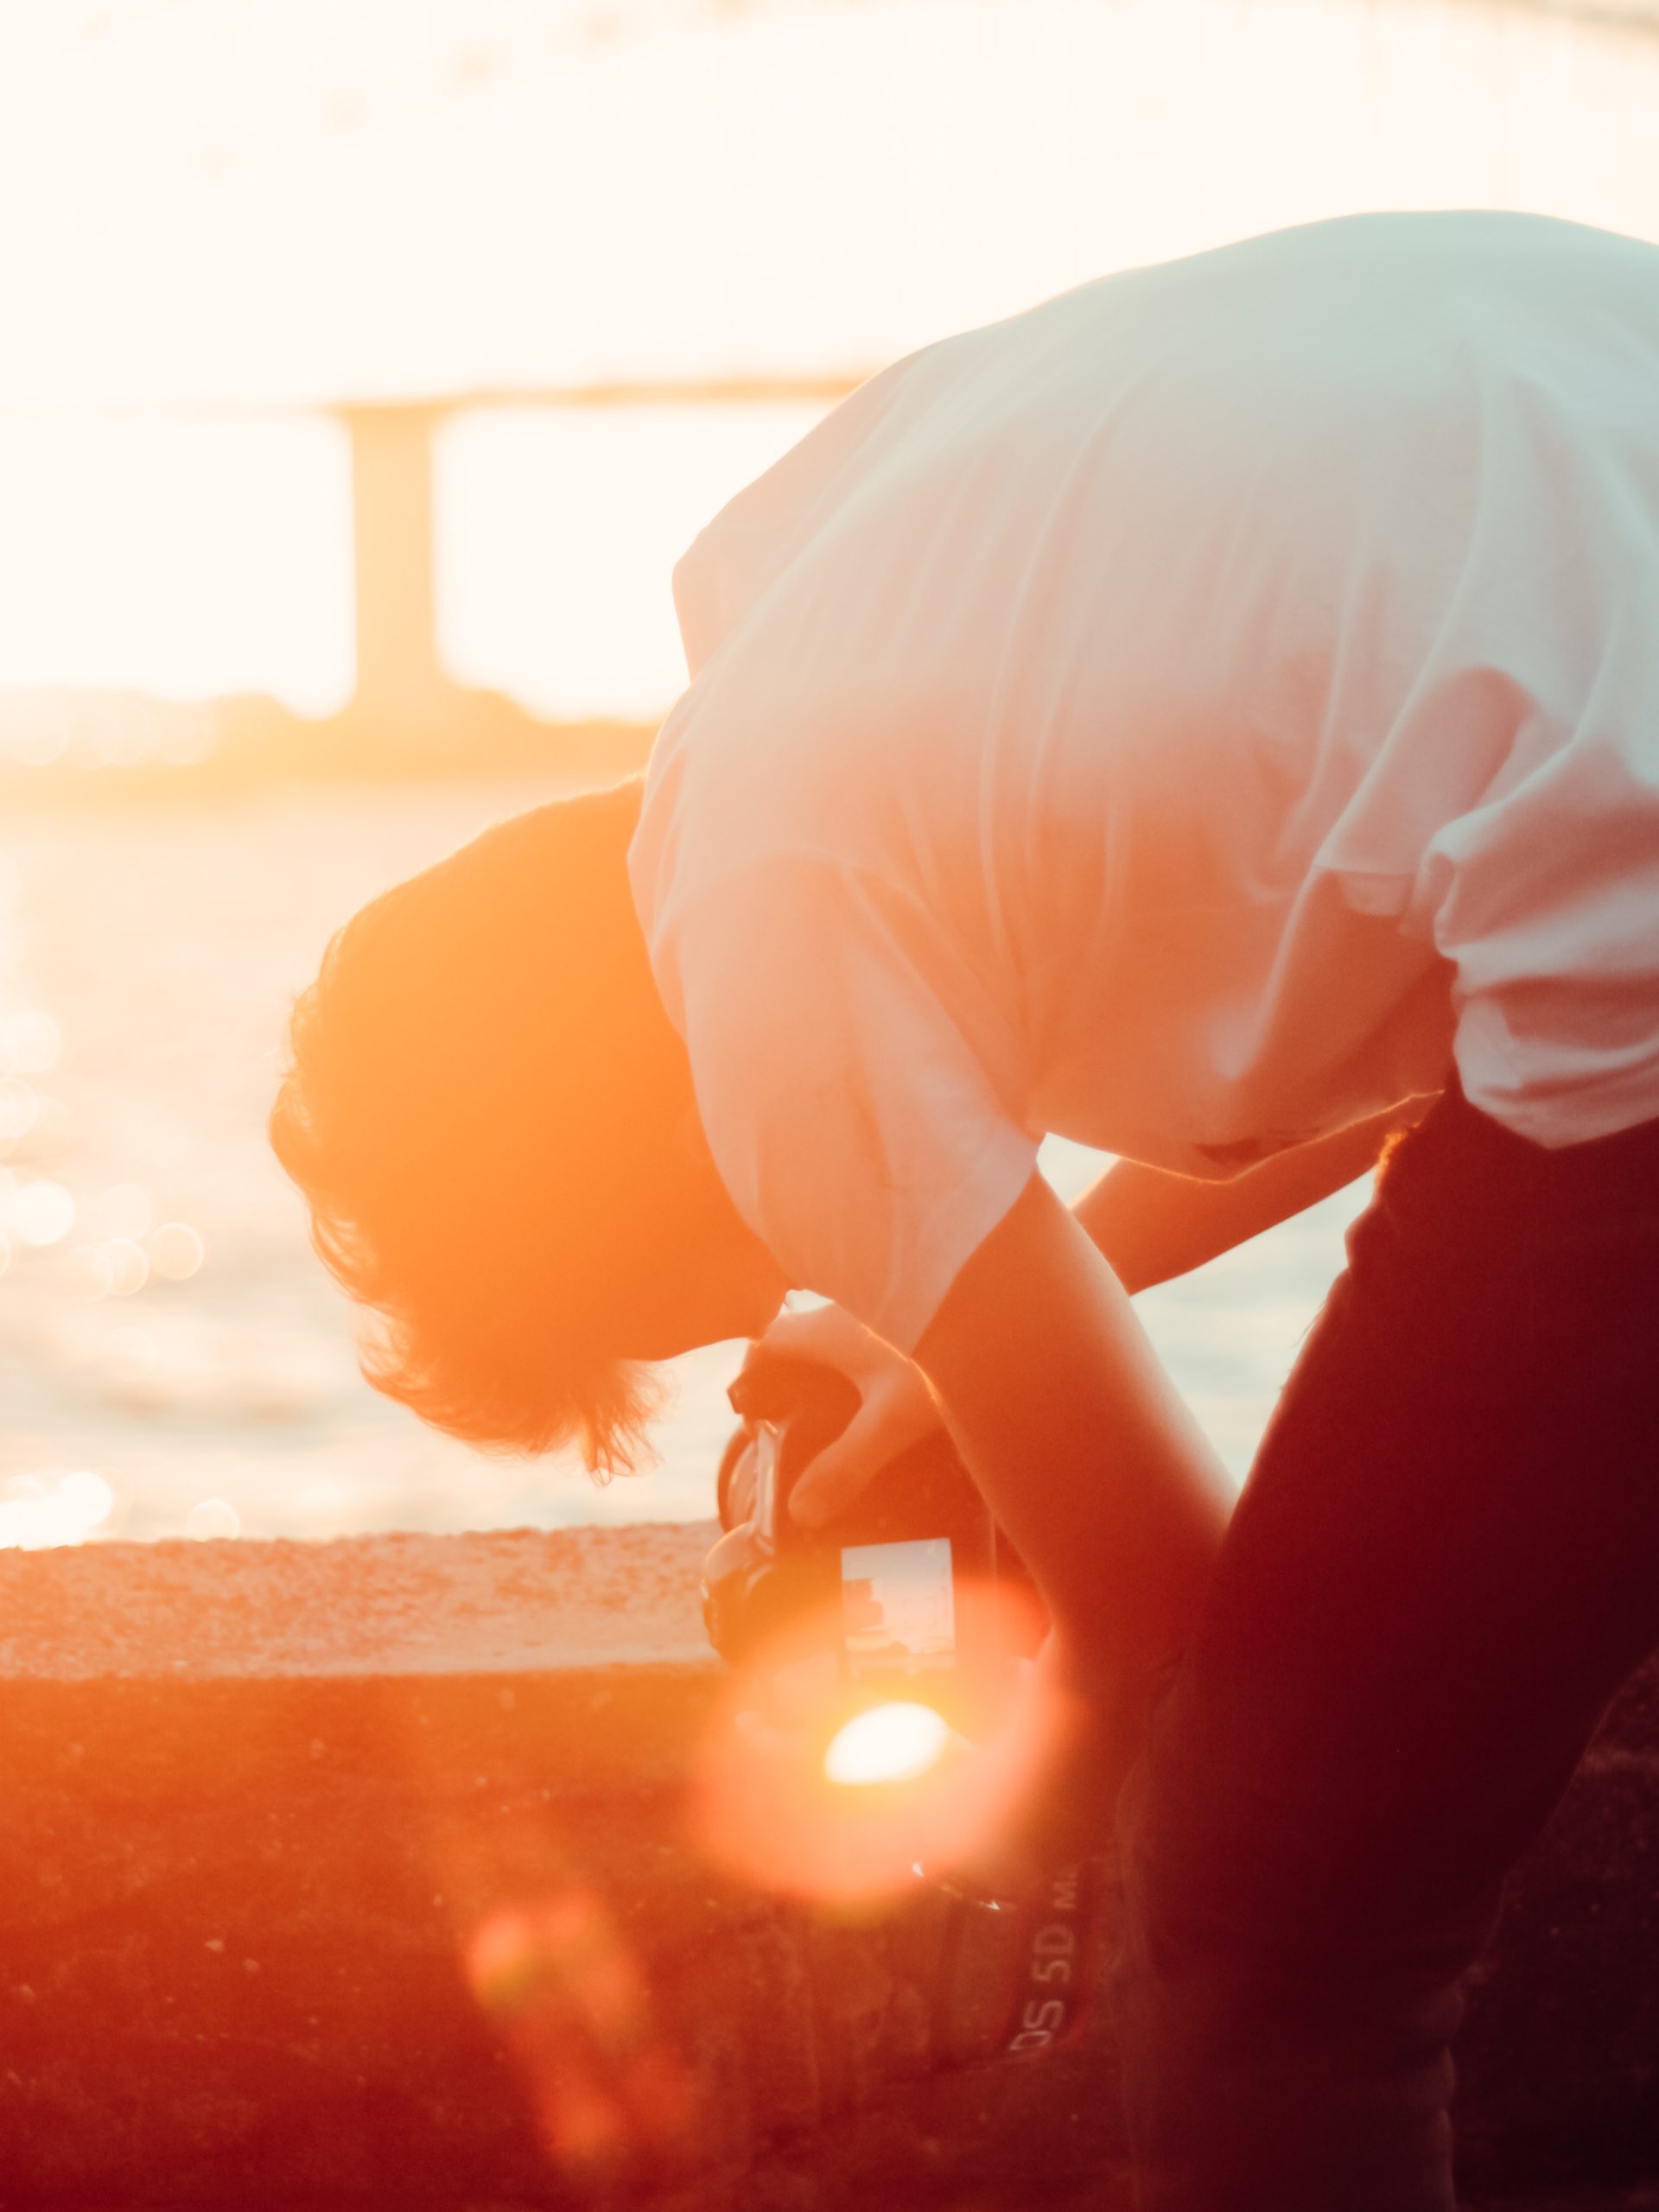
point(1083, 1448)
point(1153, 1225)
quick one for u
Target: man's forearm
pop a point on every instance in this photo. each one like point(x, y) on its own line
point(1152, 1225)
point(1079, 1441)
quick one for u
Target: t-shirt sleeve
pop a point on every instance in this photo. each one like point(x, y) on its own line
point(856, 1128)
point(1545, 902)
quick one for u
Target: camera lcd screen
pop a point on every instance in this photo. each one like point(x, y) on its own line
point(899, 1609)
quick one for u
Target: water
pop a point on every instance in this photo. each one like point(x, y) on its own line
point(162, 948)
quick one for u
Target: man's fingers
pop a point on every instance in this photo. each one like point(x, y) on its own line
point(896, 1406)
point(896, 1413)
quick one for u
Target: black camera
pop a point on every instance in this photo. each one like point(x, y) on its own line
point(921, 1597)
point(927, 1592)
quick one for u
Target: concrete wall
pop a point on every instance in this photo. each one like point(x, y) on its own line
point(360, 1873)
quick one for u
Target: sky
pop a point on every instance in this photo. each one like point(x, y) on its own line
point(216, 218)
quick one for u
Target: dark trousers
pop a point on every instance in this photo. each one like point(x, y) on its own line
point(1445, 1562)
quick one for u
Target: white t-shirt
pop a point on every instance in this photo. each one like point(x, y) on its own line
point(1185, 717)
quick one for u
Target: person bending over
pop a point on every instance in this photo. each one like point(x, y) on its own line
point(1208, 715)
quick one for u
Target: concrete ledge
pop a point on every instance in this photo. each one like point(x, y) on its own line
point(355, 1873)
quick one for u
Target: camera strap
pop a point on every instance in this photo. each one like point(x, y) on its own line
point(1017, 1975)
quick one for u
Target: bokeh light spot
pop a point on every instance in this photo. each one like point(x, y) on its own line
point(175, 1251)
point(213, 1517)
point(30, 1043)
point(39, 741)
point(42, 1212)
point(88, 1496)
point(20, 1109)
point(128, 1267)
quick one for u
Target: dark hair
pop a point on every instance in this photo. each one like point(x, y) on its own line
point(481, 1086)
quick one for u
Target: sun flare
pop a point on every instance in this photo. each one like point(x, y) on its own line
point(888, 1743)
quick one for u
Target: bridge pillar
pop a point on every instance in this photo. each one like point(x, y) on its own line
point(401, 685)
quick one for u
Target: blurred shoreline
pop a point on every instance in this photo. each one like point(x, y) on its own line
point(101, 748)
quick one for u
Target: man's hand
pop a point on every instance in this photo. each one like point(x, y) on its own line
point(898, 1408)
